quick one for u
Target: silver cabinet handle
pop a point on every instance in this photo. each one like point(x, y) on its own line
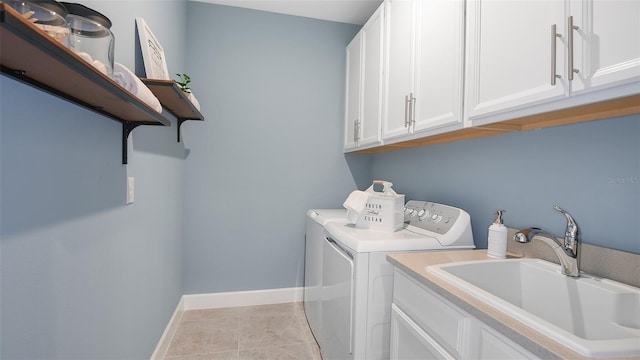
point(570, 29)
point(355, 131)
point(554, 36)
point(412, 110)
point(407, 101)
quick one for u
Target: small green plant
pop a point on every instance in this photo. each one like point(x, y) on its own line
point(184, 82)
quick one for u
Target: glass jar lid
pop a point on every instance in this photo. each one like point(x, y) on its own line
point(86, 21)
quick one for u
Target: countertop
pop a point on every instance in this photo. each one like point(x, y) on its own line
point(534, 341)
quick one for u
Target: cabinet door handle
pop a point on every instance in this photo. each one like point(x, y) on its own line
point(412, 110)
point(406, 110)
point(554, 36)
point(570, 29)
point(356, 130)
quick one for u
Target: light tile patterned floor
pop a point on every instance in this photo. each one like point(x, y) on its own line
point(266, 332)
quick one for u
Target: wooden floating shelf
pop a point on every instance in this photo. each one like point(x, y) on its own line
point(31, 56)
point(174, 100)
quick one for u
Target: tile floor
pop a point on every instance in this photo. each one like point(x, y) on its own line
point(266, 332)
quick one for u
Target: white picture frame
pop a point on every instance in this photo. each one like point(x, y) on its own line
point(155, 64)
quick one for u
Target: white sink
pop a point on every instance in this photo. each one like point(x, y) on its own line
point(593, 316)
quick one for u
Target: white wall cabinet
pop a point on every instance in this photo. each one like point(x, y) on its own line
point(399, 60)
point(425, 325)
point(522, 54)
point(451, 67)
point(424, 65)
point(606, 44)
point(363, 105)
point(352, 102)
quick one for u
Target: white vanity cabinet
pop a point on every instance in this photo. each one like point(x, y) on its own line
point(487, 343)
point(409, 341)
point(424, 65)
point(363, 105)
point(522, 54)
point(425, 325)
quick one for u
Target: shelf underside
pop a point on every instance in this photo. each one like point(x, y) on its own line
point(629, 105)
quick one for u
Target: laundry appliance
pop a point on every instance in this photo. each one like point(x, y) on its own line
point(357, 279)
point(316, 220)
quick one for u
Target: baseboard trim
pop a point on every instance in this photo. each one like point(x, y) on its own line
point(242, 298)
point(222, 300)
point(165, 340)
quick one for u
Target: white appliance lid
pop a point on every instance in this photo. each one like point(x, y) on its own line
point(365, 240)
point(322, 216)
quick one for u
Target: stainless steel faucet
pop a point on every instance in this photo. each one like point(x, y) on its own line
point(566, 249)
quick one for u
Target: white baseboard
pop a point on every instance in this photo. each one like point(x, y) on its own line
point(242, 298)
point(165, 340)
point(222, 300)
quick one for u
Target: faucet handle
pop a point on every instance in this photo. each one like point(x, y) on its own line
point(571, 232)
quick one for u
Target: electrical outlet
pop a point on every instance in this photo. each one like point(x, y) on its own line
point(131, 181)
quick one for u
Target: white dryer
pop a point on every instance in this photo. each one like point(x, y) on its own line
point(316, 220)
point(357, 279)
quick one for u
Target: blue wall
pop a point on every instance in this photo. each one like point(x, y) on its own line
point(269, 150)
point(85, 276)
point(592, 170)
point(82, 275)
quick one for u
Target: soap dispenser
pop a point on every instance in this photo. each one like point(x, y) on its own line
point(497, 240)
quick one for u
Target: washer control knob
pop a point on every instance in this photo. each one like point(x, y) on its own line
point(423, 214)
point(436, 218)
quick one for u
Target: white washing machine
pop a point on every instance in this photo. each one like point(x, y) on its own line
point(316, 220)
point(357, 279)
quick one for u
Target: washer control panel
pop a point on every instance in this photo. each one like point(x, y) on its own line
point(429, 216)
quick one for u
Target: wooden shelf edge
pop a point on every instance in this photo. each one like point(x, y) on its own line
point(629, 105)
point(23, 45)
point(458, 135)
point(173, 99)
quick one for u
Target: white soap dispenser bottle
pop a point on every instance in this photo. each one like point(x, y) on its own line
point(497, 240)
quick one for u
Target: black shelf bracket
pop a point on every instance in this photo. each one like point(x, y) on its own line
point(180, 121)
point(127, 128)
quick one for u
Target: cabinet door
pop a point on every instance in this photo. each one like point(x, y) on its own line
point(510, 52)
point(410, 342)
point(606, 44)
point(438, 317)
point(399, 65)
point(490, 344)
point(372, 53)
point(440, 64)
point(337, 302)
point(352, 91)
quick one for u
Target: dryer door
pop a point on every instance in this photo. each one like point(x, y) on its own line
point(337, 302)
point(313, 277)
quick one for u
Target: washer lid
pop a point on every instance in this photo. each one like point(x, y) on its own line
point(365, 240)
point(323, 216)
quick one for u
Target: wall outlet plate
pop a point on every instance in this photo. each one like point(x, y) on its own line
point(131, 181)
